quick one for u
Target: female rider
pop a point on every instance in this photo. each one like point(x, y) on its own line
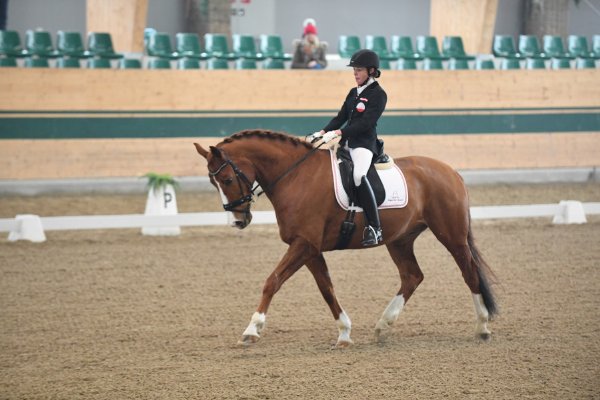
point(361, 110)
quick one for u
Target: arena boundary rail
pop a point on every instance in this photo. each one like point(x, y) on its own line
point(567, 211)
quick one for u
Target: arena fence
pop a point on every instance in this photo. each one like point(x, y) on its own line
point(21, 227)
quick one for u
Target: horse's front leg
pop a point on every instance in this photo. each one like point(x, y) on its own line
point(318, 268)
point(295, 257)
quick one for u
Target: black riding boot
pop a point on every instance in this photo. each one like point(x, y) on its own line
point(372, 233)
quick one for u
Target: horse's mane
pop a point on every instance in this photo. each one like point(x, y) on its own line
point(267, 135)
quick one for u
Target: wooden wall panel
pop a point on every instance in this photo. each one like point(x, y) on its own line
point(94, 158)
point(125, 20)
point(473, 20)
point(156, 90)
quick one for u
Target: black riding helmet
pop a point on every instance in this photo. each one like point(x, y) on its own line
point(366, 59)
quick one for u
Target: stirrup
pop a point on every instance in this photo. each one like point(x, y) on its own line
point(371, 236)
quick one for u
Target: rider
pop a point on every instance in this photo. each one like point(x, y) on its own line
point(361, 110)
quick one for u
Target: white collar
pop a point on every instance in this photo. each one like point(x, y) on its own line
point(363, 87)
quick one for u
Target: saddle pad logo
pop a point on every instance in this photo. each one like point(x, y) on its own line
point(360, 107)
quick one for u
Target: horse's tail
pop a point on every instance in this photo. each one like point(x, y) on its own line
point(486, 276)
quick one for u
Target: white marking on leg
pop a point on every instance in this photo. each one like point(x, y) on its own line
point(390, 314)
point(482, 314)
point(257, 324)
point(344, 327)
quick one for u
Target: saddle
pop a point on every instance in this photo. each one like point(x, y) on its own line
point(380, 161)
point(382, 173)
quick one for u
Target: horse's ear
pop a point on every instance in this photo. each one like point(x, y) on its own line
point(201, 150)
point(215, 151)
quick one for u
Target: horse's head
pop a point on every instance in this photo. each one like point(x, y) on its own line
point(233, 178)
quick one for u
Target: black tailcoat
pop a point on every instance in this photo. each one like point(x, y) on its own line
point(360, 112)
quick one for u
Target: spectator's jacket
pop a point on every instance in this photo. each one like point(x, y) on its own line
point(360, 112)
point(302, 58)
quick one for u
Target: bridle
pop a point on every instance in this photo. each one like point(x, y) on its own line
point(243, 179)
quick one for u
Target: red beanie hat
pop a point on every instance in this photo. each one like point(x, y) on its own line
point(310, 28)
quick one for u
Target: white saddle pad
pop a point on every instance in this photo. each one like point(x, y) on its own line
point(396, 193)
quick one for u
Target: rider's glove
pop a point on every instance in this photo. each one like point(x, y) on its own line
point(314, 137)
point(329, 136)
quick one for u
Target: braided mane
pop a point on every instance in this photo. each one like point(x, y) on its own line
point(268, 135)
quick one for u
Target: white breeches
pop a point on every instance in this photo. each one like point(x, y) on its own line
point(361, 158)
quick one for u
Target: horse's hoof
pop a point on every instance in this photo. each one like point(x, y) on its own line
point(343, 344)
point(248, 340)
point(485, 337)
point(381, 332)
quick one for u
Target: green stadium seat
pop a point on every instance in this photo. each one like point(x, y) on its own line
point(188, 45)
point(560, 63)
point(217, 63)
point(452, 47)
point(401, 47)
point(244, 46)
point(432, 64)
point(67, 62)
point(98, 63)
point(529, 47)
point(596, 46)
point(584, 63)
point(406, 64)
point(159, 45)
point(36, 63)
point(159, 63)
point(8, 62)
point(385, 64)
point(553, 47)
point(272, 47)
point(243, 63)
point(273, 64)
point(348, 45)
point(130, 63)
point(578, 47)
point(504, 46)
point(458, 63)
point(39, 43)
point(216, 46)
point(481, 64)
point(71, 44)
point(510, 63)
point(379, 45)
point(535, 63)
point(188, 63)
point(100, 45)
point(10, 44)
point(427, 47)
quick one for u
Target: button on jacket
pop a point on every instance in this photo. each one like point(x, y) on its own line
point(360, 112)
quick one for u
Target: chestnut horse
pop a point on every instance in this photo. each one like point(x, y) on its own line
point(298, 180)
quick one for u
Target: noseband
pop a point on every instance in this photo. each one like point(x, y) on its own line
point(241, 178)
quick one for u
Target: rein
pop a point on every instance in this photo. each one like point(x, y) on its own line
point(241, 177)
point(290, 169)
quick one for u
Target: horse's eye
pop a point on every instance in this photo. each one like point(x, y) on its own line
point(228, 181)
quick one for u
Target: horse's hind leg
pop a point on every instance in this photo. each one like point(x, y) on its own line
point(318, 268)
point(410, 275)
point(460, 244)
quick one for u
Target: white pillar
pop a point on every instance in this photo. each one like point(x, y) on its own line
point(29, 227)
point(161, 201)
point(571, 212)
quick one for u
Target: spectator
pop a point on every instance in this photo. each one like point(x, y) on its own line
point(309, 52)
